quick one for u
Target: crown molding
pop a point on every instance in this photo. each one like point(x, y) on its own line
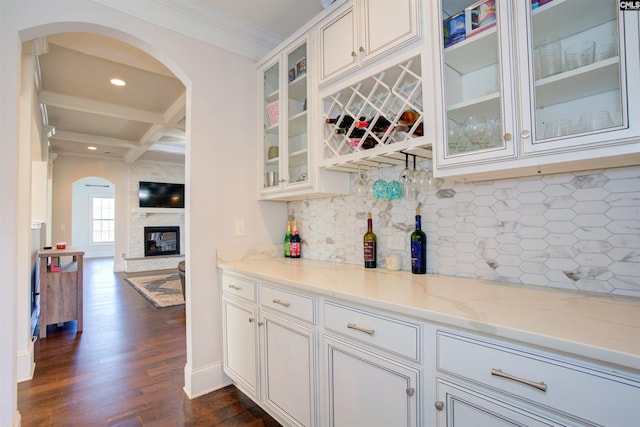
point(194, 19)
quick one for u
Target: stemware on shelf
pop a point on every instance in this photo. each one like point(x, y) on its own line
point(557, 128)
point(550, 52)
point(474, 128)
point(579, 55)
point(595, 120)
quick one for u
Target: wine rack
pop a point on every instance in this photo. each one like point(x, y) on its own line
point(376, 120)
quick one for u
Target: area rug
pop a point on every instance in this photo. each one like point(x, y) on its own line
point(162, 290)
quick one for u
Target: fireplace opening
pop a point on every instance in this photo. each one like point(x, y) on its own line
point(161, 241)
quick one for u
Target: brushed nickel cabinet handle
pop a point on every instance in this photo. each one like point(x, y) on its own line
point(439, 405)
point(260, 323)
point(277, 301)
point(358, 328)
point(237, 288)
point(251, 319)
point(537, 385)
point(410, 391)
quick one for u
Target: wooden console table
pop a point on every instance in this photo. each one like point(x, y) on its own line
point(60, 291)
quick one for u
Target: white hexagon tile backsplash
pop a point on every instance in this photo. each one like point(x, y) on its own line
point(578, 231)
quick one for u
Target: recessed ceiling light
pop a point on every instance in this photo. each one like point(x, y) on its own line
point(92, 148)
point(118, 82)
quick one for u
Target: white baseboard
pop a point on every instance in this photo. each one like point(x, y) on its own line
point(25, 363)
point(206, 379)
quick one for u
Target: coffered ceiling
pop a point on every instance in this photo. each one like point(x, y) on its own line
point(145, 119)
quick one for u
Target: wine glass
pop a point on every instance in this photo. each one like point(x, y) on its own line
point(407, 176)
point(475, 128)
point(361, 185)
point(379, 187)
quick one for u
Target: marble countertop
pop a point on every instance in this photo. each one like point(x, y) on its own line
point(602, 328)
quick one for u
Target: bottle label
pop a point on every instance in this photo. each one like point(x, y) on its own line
point(295, 250)
point(416, 256)
point(369, 251)
point(287, 249)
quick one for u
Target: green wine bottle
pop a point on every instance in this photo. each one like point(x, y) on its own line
point(370, 245)
point(287, 241)
point(418, 247)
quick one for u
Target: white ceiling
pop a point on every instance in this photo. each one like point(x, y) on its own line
point(143, 120)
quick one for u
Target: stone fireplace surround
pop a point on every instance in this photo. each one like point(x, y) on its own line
point(134, 259)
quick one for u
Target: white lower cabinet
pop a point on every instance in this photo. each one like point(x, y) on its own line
point(311, 361)
point(270, 346)
point(290, 370)
point(366, 389)
point(536, 385)
point(372, 368)
point(240, 340)
point(460, 407)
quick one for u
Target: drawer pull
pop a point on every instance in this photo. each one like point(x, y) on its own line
point(251, 320)
point(277, 301)
point(237, 288)
point(358, 328)
point(410, 391)
point(540, 386)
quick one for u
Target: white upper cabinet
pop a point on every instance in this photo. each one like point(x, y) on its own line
point(536, 89)
point(582, 79)
point(363, 30)
point(285, 148)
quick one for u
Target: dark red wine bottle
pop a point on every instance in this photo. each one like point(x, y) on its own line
point(370, 242)
point(295, 250)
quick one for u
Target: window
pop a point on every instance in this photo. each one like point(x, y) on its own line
point(103, 219)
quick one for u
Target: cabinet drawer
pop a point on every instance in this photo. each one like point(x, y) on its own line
point(584, 392)
point(239, 286)
point(293, 304)
point(379, 330)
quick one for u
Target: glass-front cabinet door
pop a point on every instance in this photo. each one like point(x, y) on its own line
point(478, 81)
point(297, 118)
point(536, 81)
point(271, 126)
point(285, 127)
point(581, 54)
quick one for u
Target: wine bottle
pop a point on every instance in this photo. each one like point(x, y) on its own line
point(408, 118)
point(296, 244)
point(287, 241)
point(418, 247)
point(380, 125)
point(370, 244)
point(344, 123)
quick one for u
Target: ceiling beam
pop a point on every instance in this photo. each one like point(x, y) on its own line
point(102, 108)
point(91, 139)
point(174, 114)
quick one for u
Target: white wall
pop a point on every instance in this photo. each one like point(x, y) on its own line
point(68, 170)
point(220, 88)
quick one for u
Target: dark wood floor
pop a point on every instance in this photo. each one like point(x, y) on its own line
point(125, 369)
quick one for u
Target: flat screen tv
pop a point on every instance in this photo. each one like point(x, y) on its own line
point(161, 195)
